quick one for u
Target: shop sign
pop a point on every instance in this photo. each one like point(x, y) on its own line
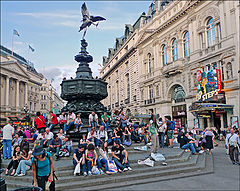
point(234, 121)
point(142, 116)
point(181, 113)
point(209, 84)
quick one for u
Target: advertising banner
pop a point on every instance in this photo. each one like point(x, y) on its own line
point(219, 80)
point(234, 121)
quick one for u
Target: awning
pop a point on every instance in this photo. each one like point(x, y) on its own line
point(198, 107)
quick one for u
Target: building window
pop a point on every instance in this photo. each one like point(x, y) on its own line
point(211, 33)
point(128, 86)
point(126, 64)
point(164, 55)
point(229, 71)
point(142, 94)
point(150, 64)
point(174, 49)
point(186, 44)
point(178, 94)
point(157, 91)
point(150, 92)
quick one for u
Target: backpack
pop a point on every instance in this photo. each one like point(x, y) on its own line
point(172, 126)
point(127, 142)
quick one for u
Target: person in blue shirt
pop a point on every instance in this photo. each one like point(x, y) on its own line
point(54, 145)
point(42, 168)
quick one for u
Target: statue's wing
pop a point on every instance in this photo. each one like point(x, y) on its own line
point(84, 25)
point(85, 12)
point(97, 18)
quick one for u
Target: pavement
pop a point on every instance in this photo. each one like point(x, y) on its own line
point(226, 176)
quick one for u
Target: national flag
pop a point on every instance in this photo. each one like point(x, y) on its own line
point(15, 32)
point(31, 48)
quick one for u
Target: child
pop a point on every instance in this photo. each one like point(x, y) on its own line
point(92, 159)
point(79, 157)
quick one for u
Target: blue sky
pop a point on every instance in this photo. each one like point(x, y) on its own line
point(51, 28)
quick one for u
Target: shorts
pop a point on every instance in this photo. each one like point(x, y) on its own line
point(170, 134)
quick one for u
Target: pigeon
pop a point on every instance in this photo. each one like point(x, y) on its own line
point(88, 20)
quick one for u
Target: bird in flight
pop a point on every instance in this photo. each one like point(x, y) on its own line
point(88, 20)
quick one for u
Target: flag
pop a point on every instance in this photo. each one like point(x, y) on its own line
point(31, 48)
point(15, 32)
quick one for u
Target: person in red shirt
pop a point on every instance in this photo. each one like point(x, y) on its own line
point(40, 122)
point(53, 122)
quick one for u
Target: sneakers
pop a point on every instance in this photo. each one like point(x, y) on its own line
point(196, 153)
point(89, 173)
point(200, 152)
point(84, 174)
point(20, 174)
point(101, 171)
point(125, 169)
point(119, 170)
point(149, 144)
point(129, 168)
point(15, 174)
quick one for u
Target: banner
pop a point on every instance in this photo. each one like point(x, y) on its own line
point(219, 80)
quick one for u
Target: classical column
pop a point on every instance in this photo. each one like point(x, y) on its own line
point(26, 94)
point(17, 94)
point(208, 122)
point(7, 92)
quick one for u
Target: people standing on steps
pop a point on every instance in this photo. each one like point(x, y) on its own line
point(161, 132)
point(169, 131)
point(8, 132)
point(154, 134)
point(232, 142)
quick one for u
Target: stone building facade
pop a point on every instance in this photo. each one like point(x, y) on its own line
point(179, 39)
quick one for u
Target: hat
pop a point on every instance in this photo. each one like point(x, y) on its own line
point(38, 150)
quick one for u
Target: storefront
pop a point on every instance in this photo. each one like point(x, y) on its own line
point(179, 114)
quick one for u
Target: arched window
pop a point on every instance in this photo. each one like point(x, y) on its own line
point(186, 44)
point(211, 33)
point(150, 65)
point(157, 90)
point(178, 94)
point(164, 55)
point(174, 50)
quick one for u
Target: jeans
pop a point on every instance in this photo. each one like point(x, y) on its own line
point(189, 146)
point(96, 141)
point(55, 150)
point(105, 126)
point(161, 137)
point(22, 166)
point(194, 136)
point(93, 124)
point(7, 148)
point(120, 165)
point(51, 126)
point(110, 141)
point(89, 164)
point(144, 138)
point(78, 125)
point(105, 162)
point(82, 166)
point(66, 127)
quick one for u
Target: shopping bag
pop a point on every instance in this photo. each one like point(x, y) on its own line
point(77, 169)
point(95, 170)
point(112, 167)
point(157, 157)
point(147, 162)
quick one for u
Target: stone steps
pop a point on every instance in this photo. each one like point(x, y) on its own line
point(141, 172)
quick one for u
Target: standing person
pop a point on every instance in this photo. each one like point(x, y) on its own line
point(232, 142)
point(53, 122)
point(154, 135)
point(78, 123)
point(209, 136)
point(42, 168)
point(194, 132)
point(8, 132)
point(170, 128)
point(93, 120)
point(70, 121)
point(105, 120)
point(40, 121)
point(161, 132)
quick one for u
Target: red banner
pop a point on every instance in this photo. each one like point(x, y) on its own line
point(219, 80)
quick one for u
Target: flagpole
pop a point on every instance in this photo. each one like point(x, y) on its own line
point(12, 43)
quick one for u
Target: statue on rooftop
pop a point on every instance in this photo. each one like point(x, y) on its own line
point(88, 20)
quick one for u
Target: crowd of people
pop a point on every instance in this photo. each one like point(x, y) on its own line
point(99, 151)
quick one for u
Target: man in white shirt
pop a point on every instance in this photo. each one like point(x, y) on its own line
point(8, 132)
point(232, 142)
point(93, 120)
point(78, 123)
point(102, 136)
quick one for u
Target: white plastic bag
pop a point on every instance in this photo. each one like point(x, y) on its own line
point(95, 170)
point(147, 162)
point(157, 157)
point(77, 169)
point(143, 148)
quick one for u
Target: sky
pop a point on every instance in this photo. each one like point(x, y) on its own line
point(51, 28)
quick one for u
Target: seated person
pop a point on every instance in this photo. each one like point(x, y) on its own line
point(114, 137)
point(141, 134)
point(67, 144)
point(120, 156)
point(105, 120)
point(186, 143)
point(84, 141)
point(78, 123)
point(55, 145)
point(134, 135)
point(61, 135)
point(120, 133)
point(92, 159)
point(104, 158)
point(92, 136)
point(41, 138)
point(48, 136)
point(126, 134)
point(102, 136)
point(79, 158)
point(17, 140)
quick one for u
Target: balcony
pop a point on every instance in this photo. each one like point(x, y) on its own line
point(173, 68)
point(127, 101)
point(149, 101)
point(117, 104)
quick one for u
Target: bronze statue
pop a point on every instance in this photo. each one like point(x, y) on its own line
point(88, 20)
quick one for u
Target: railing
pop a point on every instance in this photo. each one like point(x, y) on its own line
point(149, 101)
